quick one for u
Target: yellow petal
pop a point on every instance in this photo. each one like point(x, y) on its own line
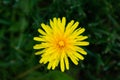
point(81, 43)
point(63, 22)
point(41, 32)
point(80, 38)
point(76, 33)
point(53, 56)
point(73, 58)
point(48, 51)
point(68, 28)
point(60, 26)
point(79, 49)
point(46, 28)
point(66, 62)
point(55, 64)
point(79, 56)
point(55, 22)
point(38, 46)
point(82, 51)
point(69, 25)
point(42, 45)
point(74, 26)
point(38, 39)
point(49, 65)
point(81, 31)
point(51, 24)
point(62, 65)
point(39, 52)
point(43, 60)
point(71, 28)
point(55, 26)
point(62, 62)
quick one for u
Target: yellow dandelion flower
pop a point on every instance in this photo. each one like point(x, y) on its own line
point(60, 41)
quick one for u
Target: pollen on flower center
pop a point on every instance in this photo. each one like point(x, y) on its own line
point(61, 43)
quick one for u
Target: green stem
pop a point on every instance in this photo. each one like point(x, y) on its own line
point(27, 72)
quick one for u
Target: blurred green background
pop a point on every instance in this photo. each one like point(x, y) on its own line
point(20, 19)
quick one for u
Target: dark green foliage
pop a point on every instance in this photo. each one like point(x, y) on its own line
point(20, 19)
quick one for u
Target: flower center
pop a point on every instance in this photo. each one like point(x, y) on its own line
point(61, 43)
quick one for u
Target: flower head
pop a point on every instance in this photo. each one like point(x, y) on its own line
point(60, 42)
